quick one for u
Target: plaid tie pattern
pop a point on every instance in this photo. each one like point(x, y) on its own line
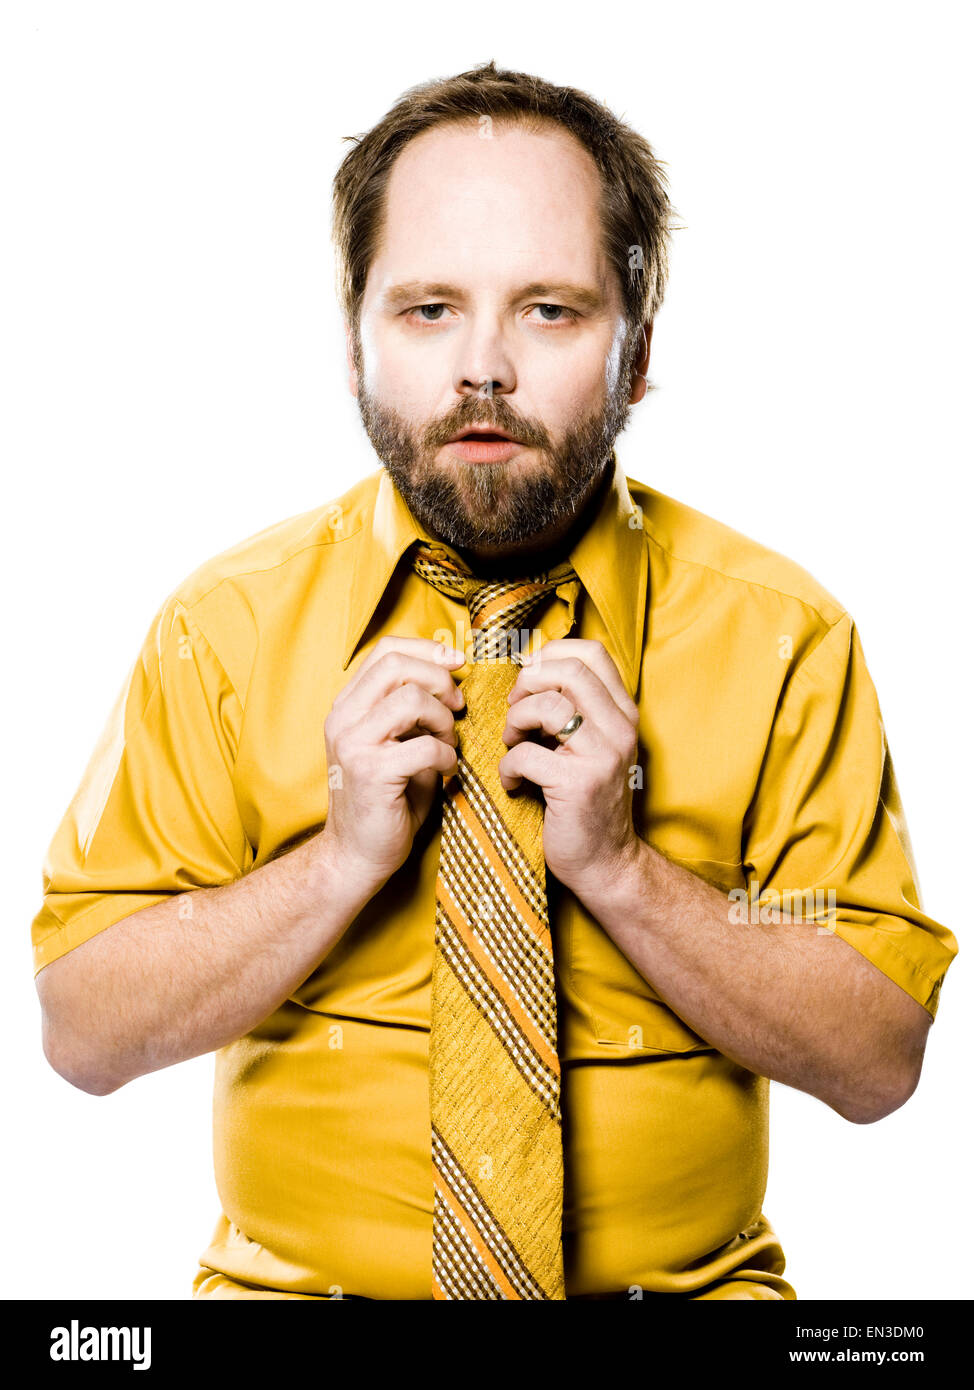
point(495, 1077)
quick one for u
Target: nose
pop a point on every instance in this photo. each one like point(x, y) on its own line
point(483, 364)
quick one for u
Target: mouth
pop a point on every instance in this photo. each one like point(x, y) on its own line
point(483, 444)
point(485, 434)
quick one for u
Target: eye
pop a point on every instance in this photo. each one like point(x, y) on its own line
point(429, 313)
point(555, 313)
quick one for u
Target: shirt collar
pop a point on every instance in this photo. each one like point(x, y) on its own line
point(609, 558)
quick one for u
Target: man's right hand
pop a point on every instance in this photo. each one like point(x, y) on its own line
point(208, 975)
point(390, 732)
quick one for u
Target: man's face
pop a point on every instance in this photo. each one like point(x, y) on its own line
point(490, 304)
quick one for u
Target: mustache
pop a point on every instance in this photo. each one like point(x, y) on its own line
point(491, 412)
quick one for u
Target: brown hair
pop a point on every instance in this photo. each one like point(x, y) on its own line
point(636, 211)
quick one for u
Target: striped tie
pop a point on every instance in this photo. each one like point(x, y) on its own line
point(495, 1078)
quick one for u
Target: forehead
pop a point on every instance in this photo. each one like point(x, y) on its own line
point(517, 206)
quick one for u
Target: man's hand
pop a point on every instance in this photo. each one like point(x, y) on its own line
point(857, 1040)
point(588, 829)
point(391, 734)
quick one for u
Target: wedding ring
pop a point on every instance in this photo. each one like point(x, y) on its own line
point(564, 734)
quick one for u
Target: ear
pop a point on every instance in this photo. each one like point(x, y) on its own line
point(350, 359)
point(641, 365)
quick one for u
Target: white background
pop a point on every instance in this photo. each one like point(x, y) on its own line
point(173, 381)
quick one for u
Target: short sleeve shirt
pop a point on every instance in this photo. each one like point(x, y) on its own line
point(763, 767)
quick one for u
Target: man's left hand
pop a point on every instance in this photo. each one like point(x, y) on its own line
point(589, 836)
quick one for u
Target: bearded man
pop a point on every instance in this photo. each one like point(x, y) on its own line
point(503, 826)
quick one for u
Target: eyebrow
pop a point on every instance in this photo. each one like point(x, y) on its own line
point(423, 292)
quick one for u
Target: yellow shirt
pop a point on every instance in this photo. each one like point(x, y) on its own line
point(766, 768)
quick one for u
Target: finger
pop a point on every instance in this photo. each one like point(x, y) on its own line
point(549, 711)
point(598, 659)
point(394, 669)
point(578, 683)
point(426, 753)
point(543, 766)
point(422, 648)
point(405, 709)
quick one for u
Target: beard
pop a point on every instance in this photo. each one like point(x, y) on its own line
point(474, 505)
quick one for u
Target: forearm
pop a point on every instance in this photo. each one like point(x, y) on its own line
point(192, 974)
point(783, 999)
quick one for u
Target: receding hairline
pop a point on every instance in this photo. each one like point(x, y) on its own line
point(634, 207)
point(533, 122)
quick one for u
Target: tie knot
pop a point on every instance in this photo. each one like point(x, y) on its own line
point(498, 608)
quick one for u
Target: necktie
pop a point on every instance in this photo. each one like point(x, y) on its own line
point(495, 1078)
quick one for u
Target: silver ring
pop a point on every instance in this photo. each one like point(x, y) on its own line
point(564, 734)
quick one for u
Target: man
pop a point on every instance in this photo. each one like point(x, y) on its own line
point(603, 832)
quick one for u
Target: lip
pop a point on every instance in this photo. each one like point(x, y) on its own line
point(474, 450)
point(484, 444)
point(481, 429)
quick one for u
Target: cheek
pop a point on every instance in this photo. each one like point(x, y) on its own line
point(613, 362)
point(564, 383)
point(393, 376)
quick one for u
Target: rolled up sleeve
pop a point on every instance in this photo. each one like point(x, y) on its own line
point(155, 812)
point(826, 827)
